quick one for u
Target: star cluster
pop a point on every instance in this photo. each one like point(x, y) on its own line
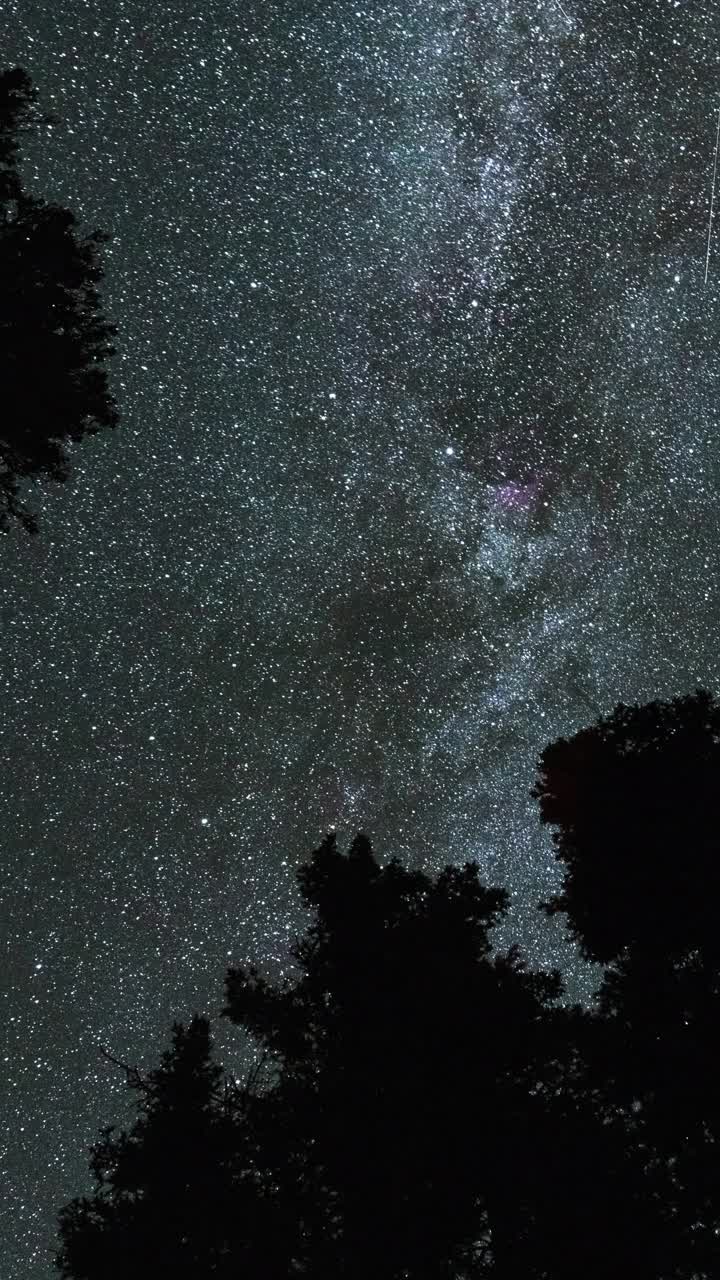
point(417, 470)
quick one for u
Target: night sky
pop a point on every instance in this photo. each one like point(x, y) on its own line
point(417, 470)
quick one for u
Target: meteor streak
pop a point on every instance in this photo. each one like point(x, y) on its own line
point(712, 198)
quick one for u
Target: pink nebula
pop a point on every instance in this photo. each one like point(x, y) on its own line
point(517, 497)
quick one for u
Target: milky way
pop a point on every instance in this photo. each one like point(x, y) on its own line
point(417, 470)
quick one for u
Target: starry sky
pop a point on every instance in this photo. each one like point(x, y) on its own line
point(419, 375)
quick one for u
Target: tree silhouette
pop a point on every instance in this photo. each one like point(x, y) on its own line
point(174, 1197)
point(634, 801)
point(53, 339)
point(422, 1094)
point(430, 1113)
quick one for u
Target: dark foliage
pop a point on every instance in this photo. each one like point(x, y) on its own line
point(428, 1111)
point(174, 1195)
point(636, 805)
point(435, 1093)
point(53, 339)
point(380, 1075)
point(635, 801)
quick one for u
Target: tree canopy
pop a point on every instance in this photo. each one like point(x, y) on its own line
point(169, 1194)
point(426, 1109)
point(54, 341)
point(396, 984)
point(634, 803)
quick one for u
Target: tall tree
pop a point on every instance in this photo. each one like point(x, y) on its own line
point(429, 1115)
point(53, 339)
point(634, 804)
point(422, 1095)
point(633, 801)
point(175, 1196)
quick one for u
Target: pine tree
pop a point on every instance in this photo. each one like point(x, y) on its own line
point(406, 1062)
point(430, 1114)
point(634, 804)
point(175, 1196)
point(53, 339)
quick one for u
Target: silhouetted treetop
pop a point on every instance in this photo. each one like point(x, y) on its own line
point(368, 919)
point(396, 1032)
point(636, 805)
point(53, 339)
point(433, 1113)
point(170, 1194)
point(19, 113)
point(635, 801)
